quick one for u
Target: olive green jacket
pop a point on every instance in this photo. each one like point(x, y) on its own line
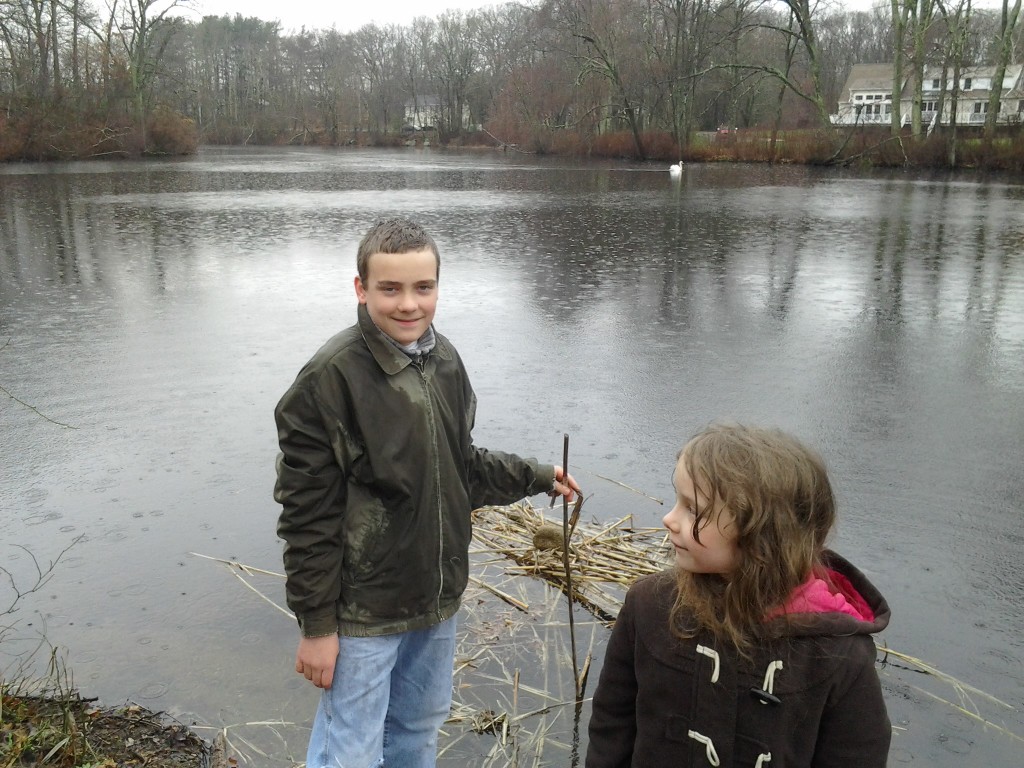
point(377, 478)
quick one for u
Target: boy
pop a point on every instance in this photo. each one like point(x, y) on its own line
point(377, 477)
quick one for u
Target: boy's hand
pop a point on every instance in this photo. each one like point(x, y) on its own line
point(565, 485)
point(316, 658)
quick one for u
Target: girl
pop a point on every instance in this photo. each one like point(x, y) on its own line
point(755, 651)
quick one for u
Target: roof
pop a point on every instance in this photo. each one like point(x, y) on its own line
point(878, 78)
point(422, 102)
point(869, 77)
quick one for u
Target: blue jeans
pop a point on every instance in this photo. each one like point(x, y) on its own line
point(389, 698)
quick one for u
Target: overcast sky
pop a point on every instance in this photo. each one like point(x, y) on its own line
point(348, 15)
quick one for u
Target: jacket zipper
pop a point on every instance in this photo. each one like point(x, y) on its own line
point(437, 484)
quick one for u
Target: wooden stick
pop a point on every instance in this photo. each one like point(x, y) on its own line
point(566, 531)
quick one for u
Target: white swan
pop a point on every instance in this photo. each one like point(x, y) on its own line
point(675, 169)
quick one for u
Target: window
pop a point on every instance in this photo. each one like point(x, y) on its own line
point(888, 109)
point(980, 107)
point(858, 98)
point(928, 106)
point(1020, 107)
point(935, 84)
point(967, 83)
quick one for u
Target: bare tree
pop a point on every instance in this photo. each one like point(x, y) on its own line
point(381, 55)
point(454, 65)
point(29, 28)
point(144, 32)
point(505, 45)
point(418, 40)
point(681, 39)
point(800, 71)
point(912, 22)
point(1004, 50)
point(957, 19)
point(607, 51)
point(804, 15)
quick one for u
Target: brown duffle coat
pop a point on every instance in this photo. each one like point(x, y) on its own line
point(809, 699)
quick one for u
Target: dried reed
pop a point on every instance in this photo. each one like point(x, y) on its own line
point(510, 681)
point(605, 559)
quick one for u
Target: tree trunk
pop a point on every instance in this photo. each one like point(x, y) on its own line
point(1008, 23)
point(55, 51)
point(899, 31)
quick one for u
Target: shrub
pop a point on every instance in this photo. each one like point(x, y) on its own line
point(169, 133)
point(659, 145)
point(569, 143)
point(619, 144)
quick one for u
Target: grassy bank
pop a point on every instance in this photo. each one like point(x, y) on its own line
point(63, 730)
point(867, 147)
point(56, 136)
point(65, 134)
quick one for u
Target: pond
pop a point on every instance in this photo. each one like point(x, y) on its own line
point(152, 313)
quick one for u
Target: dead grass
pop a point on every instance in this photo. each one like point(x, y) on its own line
point(605, 559)
point(516, 701)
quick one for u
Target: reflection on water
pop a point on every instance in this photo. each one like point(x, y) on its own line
point(151, 314)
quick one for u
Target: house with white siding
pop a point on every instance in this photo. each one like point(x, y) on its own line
point(867, 96)
point(425, 112)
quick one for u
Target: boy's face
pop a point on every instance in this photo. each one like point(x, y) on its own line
point(400, 293)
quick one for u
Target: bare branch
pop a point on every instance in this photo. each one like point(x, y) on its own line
point(43, 575)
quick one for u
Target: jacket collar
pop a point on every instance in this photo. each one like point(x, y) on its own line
point(389, 357)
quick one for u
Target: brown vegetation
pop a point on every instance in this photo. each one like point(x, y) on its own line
point(66, 731)
point(67, 136)
point(865, 147)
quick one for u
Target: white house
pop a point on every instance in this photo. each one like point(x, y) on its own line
point(429, 112)
point(866, 98)
point(423, 112)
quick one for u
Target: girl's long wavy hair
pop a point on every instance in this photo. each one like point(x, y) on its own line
point(780, 499)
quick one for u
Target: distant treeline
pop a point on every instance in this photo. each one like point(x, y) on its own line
point(639, 78)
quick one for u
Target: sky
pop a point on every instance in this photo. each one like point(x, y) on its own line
point(349, 15)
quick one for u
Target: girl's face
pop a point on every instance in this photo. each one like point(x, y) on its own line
point(717, 551)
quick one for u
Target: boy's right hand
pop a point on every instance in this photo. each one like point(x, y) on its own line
point(316, 658)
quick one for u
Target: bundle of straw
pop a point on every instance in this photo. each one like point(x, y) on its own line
point(605, 559)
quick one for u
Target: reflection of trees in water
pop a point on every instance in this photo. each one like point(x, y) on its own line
point(950, 256)
point(784, 265)
point(641, 258)
point(651, 251)
point(56, 233)
point(38, 236)
point(932, 236)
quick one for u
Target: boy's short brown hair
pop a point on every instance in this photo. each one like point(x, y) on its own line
point(394, 235)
